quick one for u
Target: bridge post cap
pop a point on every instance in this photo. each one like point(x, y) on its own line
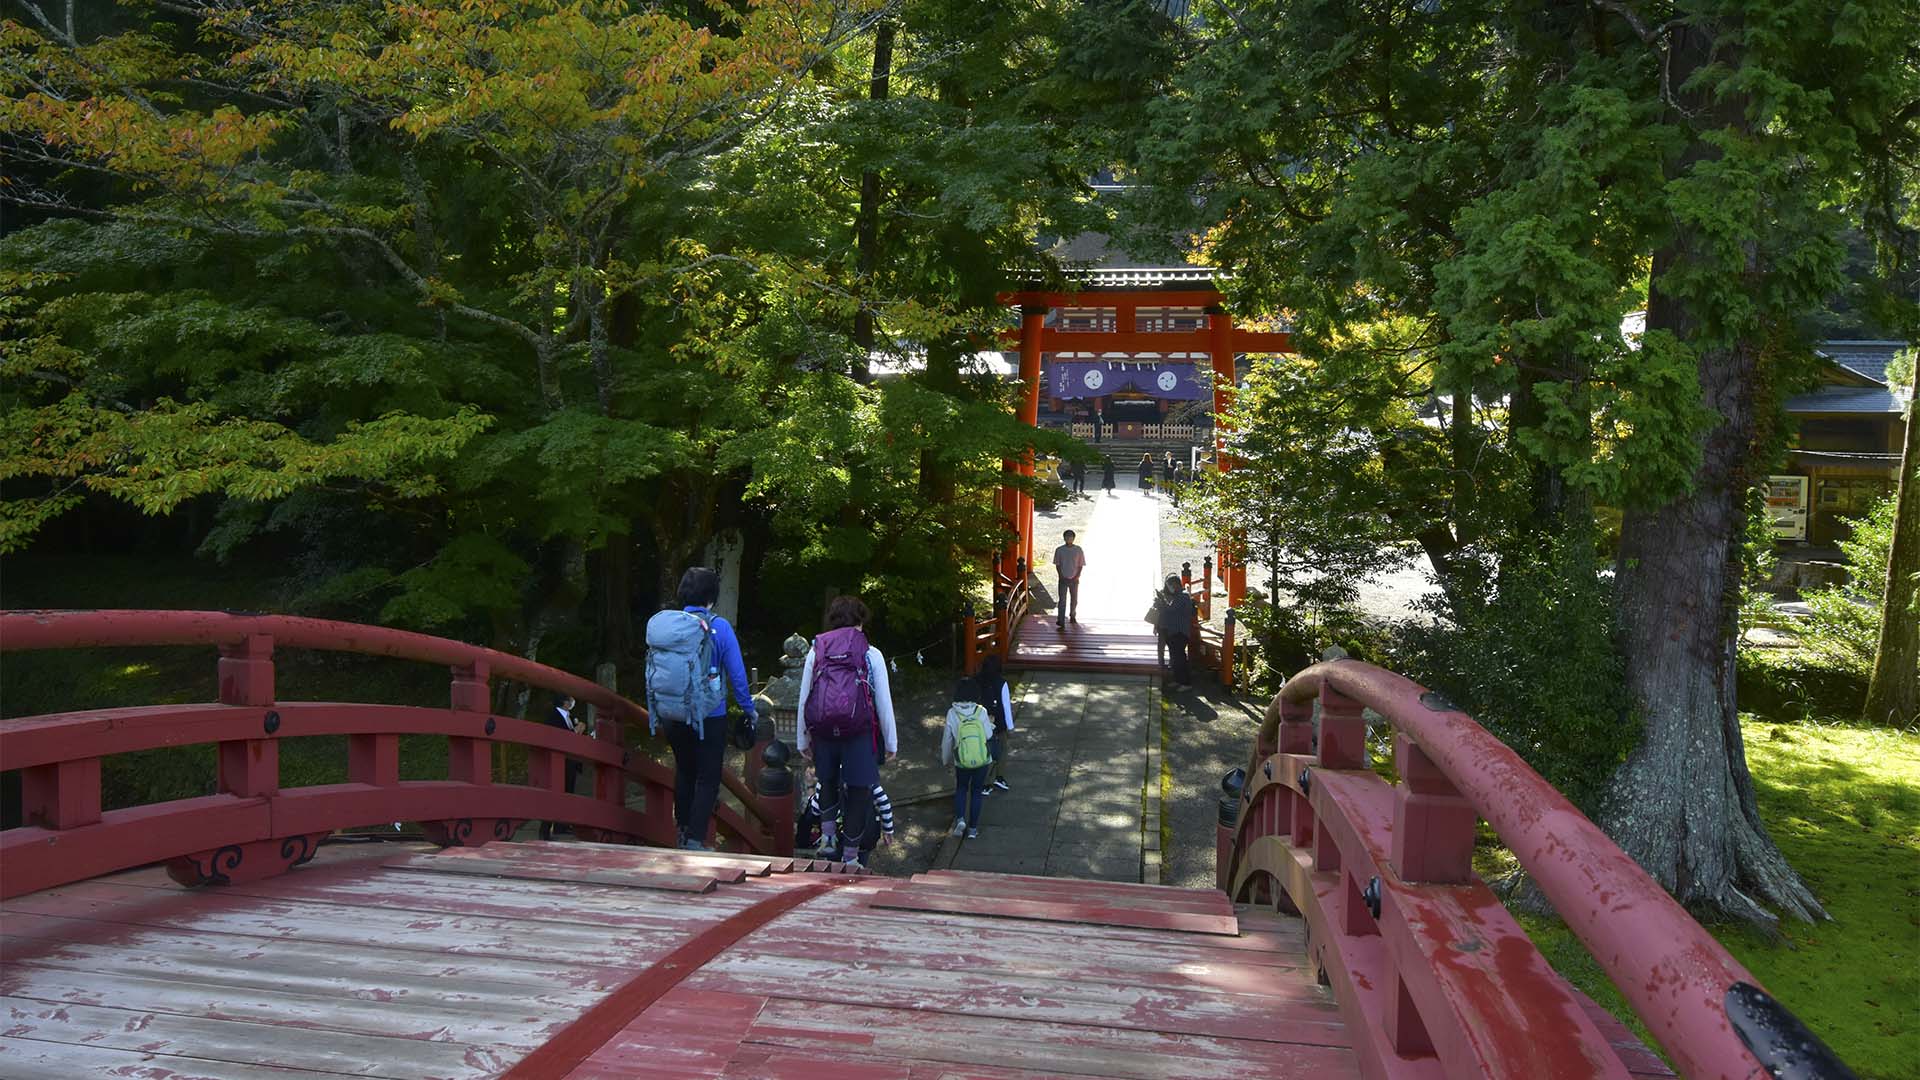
point(1234, 782)
point(1780, 1040)
point(776, 778)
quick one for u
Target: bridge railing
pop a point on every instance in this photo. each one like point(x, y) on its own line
point(980, 637)
point(1428, 965)
point(251, 827)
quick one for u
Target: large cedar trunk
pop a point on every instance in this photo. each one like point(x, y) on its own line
point(1893, 695)
point(1683, 804)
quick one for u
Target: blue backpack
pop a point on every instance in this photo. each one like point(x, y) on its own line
point(683, 677)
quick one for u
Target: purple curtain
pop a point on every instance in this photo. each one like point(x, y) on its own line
point(1172, 380)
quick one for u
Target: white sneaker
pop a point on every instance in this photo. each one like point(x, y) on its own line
point(959, 828)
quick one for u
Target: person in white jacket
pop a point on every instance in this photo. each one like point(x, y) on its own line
point(848, 768)
point(957, 744)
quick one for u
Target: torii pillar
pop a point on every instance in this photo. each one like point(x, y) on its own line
point(1016, 505)
point(1231, 560)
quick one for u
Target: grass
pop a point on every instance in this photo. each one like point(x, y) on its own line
point(1843, 803)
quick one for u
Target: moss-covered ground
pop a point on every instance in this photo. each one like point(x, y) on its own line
point(1843, 802)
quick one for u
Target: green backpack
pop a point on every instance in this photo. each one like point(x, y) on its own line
point(970, 739)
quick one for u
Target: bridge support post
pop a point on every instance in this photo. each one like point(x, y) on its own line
point(1343, 731)
point(62, 795)
point(470, 759)
point(249, 767)
point(1433, 825)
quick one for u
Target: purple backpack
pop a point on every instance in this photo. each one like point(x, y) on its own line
point(840, 701)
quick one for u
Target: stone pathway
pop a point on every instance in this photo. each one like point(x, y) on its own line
point(1078, 767)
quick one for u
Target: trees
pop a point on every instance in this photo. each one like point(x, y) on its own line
point(1291, 444)
point(617, 264)
point(1513, 180)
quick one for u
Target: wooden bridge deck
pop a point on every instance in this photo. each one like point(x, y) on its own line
point(590, 961)
point(1100, 646)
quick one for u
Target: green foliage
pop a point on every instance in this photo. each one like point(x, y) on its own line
point(1305, 498)
point(1844, 628)
point(493, 313)
point(1527, 651)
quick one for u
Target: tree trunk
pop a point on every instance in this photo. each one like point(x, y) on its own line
point(1893, 695)
point(867, 225)
point(616, 601)
point(1683, 804)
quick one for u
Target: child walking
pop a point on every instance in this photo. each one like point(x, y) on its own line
point(808, 836)
point(963, 745)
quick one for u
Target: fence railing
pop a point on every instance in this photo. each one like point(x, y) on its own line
point(252, 827)
point(982, 636)
point(1427, 964)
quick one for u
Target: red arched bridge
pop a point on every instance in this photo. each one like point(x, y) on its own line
point(238, 934)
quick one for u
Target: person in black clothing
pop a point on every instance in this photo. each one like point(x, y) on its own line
point(998, 697)
point(1106, 474)
point(562, 717)
point(1175, 627)
point(1146, 472)
point(1079, 476)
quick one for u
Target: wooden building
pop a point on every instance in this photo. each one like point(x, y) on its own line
point(1846, 449)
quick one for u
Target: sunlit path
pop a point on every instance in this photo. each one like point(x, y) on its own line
point(1123, 556)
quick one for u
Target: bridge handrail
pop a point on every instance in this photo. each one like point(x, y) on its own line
point(1672, 972)
point(68, 835)
point(82, 629)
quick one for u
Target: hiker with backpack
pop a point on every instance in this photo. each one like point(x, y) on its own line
point(846, 720)
point(963, 745)
point(692, 657)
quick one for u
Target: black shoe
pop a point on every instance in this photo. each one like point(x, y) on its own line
point(1001, 783)
point(1059, 625)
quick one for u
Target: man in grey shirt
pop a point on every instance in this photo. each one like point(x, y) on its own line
point(1068, 561)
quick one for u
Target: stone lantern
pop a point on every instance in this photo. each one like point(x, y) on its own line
point(779, 700)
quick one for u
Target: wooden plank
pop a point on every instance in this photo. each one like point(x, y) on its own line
point(243, 1042)
point(1113, 894)
point(687, 1033)
point(480, 1018)
point(1252, 947)
point(914, 898)
point(964, 937)
point(1060, 999)
point(314, 967)
point(624, 857)
point(216, 911)
point(529, 871)
point(29, 1059)
point(1025, 1047)
point(778, 864)
point(986, 953)
point(1096, 886)
point(440, 894)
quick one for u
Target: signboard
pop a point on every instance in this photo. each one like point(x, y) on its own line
point(1100, 378)
point(1787, 506)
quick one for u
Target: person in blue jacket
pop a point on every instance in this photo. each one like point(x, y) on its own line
point(698, 753)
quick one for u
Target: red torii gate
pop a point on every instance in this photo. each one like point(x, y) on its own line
point(1125, 293)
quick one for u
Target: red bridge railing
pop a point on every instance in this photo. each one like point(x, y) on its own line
point(252, 827)
point(1432, 973)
